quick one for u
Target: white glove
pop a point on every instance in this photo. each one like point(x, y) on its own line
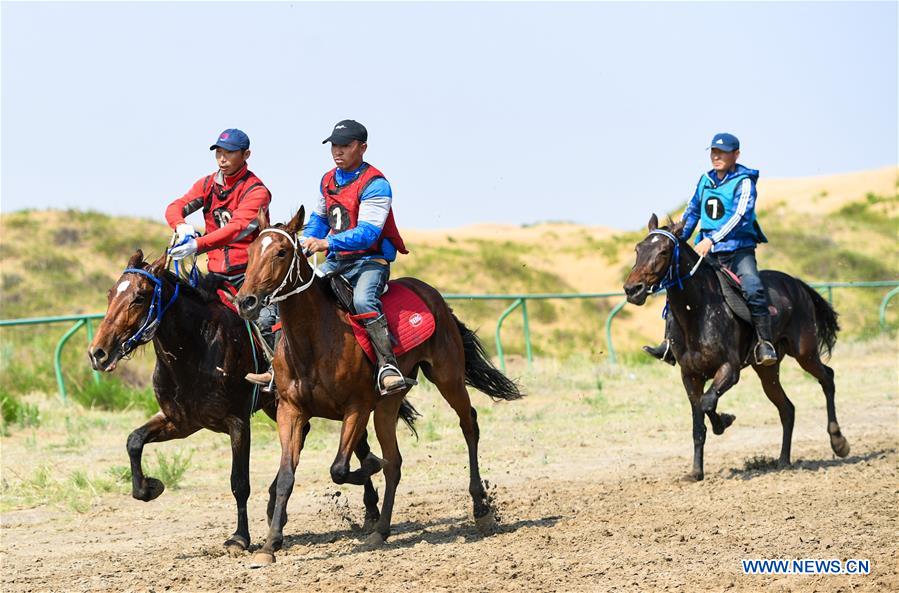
point(184, 229)
point(182, 251)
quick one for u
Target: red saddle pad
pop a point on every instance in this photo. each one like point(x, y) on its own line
point(409, 319)
point(225, 294)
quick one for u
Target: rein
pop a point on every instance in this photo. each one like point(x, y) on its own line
point(154, 314)
point(293, 273)
point(673, 276)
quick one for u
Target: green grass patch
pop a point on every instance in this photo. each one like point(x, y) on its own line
point(112, 394)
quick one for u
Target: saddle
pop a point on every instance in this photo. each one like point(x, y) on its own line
point(733, 293)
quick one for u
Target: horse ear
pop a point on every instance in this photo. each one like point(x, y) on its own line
point(296, 223)
point(677, 227)
point(653, 222)
point(136, 260)
point(158, 266)
point(262, 219)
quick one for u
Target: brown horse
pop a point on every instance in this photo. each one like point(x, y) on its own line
point(711, 344)
point(321, 371)
point(203, 351)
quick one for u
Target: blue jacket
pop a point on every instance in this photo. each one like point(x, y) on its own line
point(726, 209)
point(376, 202)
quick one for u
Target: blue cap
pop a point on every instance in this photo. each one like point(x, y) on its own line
point(726, 142)
point(232, 139)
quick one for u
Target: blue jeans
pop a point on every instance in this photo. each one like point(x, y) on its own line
point(742, 263)
point(367, 279)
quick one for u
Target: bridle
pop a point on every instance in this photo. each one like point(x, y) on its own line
point(154, 314)
point(293, 272)
point(672, 277)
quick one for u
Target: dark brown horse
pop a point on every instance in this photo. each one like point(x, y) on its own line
point(711, 343)
point(321, 371)
point(203, 351)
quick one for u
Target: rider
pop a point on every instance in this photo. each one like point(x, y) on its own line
point(230, 198)
point(724, 204)
point(353, 222)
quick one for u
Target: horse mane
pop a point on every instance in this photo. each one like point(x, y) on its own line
point(204, 291)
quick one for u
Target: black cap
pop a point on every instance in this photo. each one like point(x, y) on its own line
point(346, 131)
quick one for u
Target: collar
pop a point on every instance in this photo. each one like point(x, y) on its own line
point(713, 175)
point(230, 180)
point(343, 177)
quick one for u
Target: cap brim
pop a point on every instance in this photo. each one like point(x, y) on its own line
point(339, 140)
point(724, 148)
point(226, 146)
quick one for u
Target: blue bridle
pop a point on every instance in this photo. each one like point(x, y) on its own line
point(673, 276)
point(154, 314)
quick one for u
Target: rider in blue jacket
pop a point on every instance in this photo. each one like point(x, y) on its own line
point(723, 206)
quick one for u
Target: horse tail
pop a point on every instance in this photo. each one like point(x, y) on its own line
point(480, 372)
point(826, 324)
point(408, 413)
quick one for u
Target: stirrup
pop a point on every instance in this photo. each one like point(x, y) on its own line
point(666, 356)
point(400, 386)
point(769, 361)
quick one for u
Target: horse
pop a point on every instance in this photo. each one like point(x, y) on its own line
point(710, 343)
point(321, 371)
point(203, 350)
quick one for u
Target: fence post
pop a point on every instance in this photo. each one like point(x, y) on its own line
point(527, 332)
point(499, 324)
point(57, 356)
point(612, 358)
point(883, 307)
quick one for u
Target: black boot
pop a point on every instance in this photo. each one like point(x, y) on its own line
point(388, 379)
point(662, 352)
point(765, 354)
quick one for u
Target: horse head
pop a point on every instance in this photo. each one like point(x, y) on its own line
point(128, 311)
point(655, 257)
point(275, 265)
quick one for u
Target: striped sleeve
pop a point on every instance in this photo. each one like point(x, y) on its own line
point(745, 205)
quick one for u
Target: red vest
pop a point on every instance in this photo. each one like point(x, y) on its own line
point(218, 206)
point(342, 206)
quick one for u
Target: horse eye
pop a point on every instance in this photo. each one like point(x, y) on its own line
point(139, 299)
point(282, 252)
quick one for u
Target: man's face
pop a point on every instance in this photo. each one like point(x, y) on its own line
point(348, 157)
point(230, 161)
point(722, 162)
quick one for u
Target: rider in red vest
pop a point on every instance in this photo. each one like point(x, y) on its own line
point(230, 198)
point(353, 222)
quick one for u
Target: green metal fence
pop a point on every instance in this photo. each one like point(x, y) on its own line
point(519, 301)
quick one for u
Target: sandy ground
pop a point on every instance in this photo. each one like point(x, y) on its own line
point(585, 478)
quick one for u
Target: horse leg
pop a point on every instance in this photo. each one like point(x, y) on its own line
point(770, 378)
point(156, 430)
point(291, 429)
point(239, 431)
point(385, 428)
point(812, 364)
point(694, 386)
point(354, 422)
point(726, 377)
point(273, 488)
point(370, 497)
point(455, 393)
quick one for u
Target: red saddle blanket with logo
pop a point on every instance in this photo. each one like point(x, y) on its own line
point(408, 317)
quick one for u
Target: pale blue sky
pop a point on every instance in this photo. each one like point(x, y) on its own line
point(597, 113)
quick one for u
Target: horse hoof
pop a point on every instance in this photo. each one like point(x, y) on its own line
point(151, 491)
point(372, 464)
point(236, 546)
point(840, 445)
point(693, 477)
point(262, 559)
point(370, 524)
point(374, 541)
point(487, 524)
point(726, 420)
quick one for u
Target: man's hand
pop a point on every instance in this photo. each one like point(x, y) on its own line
point(313, 245)
point(180, 252)
point(184, 230)
point(704, 246)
